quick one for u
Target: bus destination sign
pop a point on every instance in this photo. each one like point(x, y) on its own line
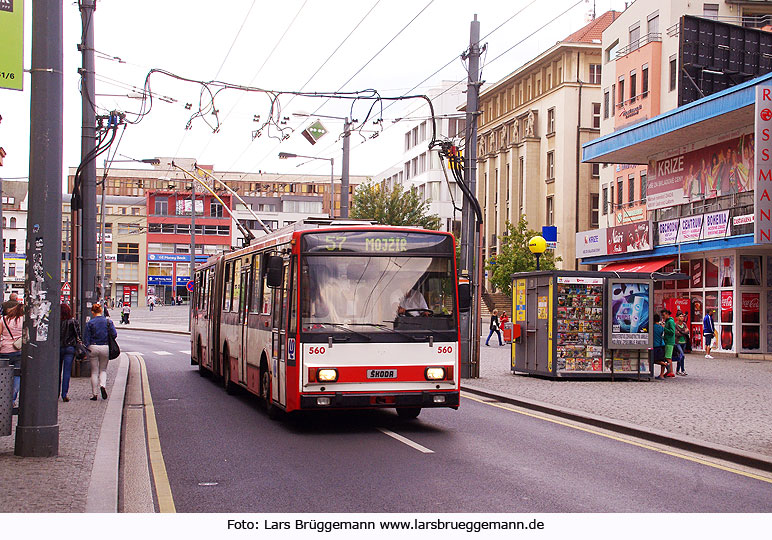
point(376, 243)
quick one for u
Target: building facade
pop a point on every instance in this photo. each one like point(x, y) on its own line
point(14, 223)
point(531, 127)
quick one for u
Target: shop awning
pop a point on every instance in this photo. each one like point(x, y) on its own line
point(644, 266)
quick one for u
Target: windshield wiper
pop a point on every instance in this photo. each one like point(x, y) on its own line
point(346, 328)
point(384, 327)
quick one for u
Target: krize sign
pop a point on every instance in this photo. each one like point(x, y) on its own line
point(762, 206)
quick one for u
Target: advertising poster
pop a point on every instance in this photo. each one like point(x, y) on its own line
point(750, 308)
point(690, 229)
point(629, 238)
point(716, 225)
point(750, 270)
point(542, 307)
point(11, 44)
point(520, 300)
point(720, 169)
point(667, 232)
point(591, 243)
point(696, 273)
point(629, 314)
point(726, 271)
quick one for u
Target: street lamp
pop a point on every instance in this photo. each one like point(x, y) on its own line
point(287, 155)
point(538, 246)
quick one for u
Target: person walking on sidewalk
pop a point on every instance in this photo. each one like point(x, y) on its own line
point(10, 331)
point(669, 337)
point(658, 352)
point(95, 338)
point(682, 338)
point(708, 331)
point(125, 312)
point(69, 337)
point(494, 327)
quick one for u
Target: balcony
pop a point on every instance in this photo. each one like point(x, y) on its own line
point(638, 43)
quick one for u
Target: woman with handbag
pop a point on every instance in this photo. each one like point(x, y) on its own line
point(96, 338)
point(69, 344)
point(10, 343)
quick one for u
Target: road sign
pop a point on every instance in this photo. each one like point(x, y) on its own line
point(189, 285)
point(66, 288)
point(314, 132)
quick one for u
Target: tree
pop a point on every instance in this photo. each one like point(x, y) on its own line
point(392, 206)
point(514, 256)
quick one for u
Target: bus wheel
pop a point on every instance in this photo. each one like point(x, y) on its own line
point(230, 388)
point(265, 394)
point(408, 413)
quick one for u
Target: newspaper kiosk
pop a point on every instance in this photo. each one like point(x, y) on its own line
point(577, 324)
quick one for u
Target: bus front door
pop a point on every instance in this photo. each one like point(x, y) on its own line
point(278, 340)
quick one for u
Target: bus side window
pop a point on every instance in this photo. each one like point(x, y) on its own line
point(236, 285)
point(226, 306)
point(266, 296)
point(208, 301)
point(257, 296)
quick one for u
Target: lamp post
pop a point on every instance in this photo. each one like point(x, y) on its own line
point(287, 155)
point(538, 246)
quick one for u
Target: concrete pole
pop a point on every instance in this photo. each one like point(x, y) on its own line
point(192, 246)
point(37, 433)
point(102, 263)
point(332, 188)
point(470, 332)
point(87, 289)
point(344, 176)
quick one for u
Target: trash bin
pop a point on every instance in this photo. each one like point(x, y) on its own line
point(6, 397)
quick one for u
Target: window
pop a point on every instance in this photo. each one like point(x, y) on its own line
point(13, 223)
point(215, 209)
point(182, 229)
point(128, 252)
point(635, 36)
point(11, 270)
point(594, 73)
point(161, 206)
point(594, 218)
point(596, 115)
point(644, 81)
point(12, 245)
point(611, 197)
point(619, 192)
point(154, 228)
point(407, 141)
point(167, 228)
point(611, 52)
point(422, 131)
point(605, 104)
point(551, 165)
point(422, 162)
point(128, 228)
point(550, 210)
point(223, 230)
point(127, 271)
point(550, 120)
point(415, 166)
point(520, 182)
point(160, 248)
point(604, 209)
point(613, 99)
point(673, 72)
point(644, 179)
point(633, 77)
point(631, 190)
point(595, 170)
point(228, 290)
point(710, 11)
point(135, 211)
point(653, 23)
point(415, 136)
point(407, 170)
point(621, 92)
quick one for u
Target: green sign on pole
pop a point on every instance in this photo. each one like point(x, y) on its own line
point(11, 43)
point(312, 133)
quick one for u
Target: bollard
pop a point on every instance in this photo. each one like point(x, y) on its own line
point(6, 397)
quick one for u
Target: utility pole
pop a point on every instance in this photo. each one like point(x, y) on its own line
point(87, 264)
point(37, 433)
point(471, 262)
point(192, 247)
point(344, 174)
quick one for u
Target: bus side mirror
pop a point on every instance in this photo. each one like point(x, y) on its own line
point(464, 297)
point(275, 271)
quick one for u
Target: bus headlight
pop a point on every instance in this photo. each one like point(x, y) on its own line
point(434, 373)
point(327, 375)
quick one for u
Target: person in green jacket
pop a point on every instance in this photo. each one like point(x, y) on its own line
point(669, 336)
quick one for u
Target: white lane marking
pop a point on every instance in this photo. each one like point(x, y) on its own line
point(163, 353)
point(406, 441)
point(187, 351)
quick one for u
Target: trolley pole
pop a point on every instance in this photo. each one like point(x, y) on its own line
point(87, 287)
point(37, 433)
point(470, 328)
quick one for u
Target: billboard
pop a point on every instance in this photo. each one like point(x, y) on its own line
point(762, 201)
point(719, 169)
point(629, 238)
point(629, 314)
point(591, 243)
point(11, 44)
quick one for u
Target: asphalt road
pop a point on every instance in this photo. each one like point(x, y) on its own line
point(223, 454)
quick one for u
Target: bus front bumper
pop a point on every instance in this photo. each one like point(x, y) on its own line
point(340, 400)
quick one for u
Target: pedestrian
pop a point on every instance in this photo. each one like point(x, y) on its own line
point(658, 352)
point(13, 299)
point(95, 338)
point(503, 319)
point(125, 312)
point(682, 338)
point(151, 302)
point(69, 338)
point(494, 327)
point(10, 347)
point(669, 336)
point(708, 331)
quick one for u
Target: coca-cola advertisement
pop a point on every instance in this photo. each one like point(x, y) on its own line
point(713, 171)
point(750, 308)
point(629, 238)
point(696, 273)
point(750, 270)
point(727, 306)
point(697, 336)
point(711, 271)
point(750, 337)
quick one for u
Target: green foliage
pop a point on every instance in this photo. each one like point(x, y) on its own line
point(514, 256)
point(392, 206)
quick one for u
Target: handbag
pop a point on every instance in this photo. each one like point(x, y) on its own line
point(114, 351)
point(16, 342)
point(81, 351)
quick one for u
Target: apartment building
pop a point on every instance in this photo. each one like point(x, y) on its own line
point(14, 223)
point(532, 125)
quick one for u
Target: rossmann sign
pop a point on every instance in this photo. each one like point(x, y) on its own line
point(762, 207)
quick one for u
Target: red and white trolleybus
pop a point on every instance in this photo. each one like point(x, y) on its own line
point(325, 316)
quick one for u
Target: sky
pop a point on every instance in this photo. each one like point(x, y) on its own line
point(391, 46)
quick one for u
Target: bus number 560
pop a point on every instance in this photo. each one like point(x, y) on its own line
point(444, 350)
point(316, 350)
